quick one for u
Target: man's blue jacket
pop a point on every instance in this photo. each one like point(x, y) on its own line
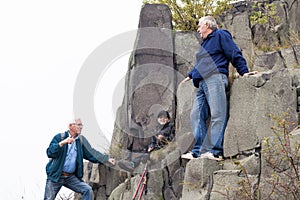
point(58, 154)
point(214, 55)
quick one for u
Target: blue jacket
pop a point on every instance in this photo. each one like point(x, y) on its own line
point(214, 55)
point(58, 154)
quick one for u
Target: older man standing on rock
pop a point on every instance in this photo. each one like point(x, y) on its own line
point(210, 76)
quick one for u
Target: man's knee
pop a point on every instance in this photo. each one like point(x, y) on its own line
point(49, 195)
point(88, 189)
point(85, 192)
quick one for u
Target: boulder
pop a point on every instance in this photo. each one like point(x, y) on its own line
point(253, 101)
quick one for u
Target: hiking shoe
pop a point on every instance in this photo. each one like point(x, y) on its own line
point(188, 156)
point(126, 165)
point(210, 156)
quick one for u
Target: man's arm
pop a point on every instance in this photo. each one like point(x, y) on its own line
point(54, 149)
point(233, 53)
point(93, 155)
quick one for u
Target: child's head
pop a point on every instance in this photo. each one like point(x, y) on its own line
point(163, 117)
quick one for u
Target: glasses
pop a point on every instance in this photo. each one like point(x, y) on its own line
point(78, 124)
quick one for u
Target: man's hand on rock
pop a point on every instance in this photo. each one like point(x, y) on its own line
point(250, 73)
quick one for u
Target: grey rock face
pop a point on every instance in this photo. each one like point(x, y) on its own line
point(198, 178)
point(151, 76)
point(253, 99)
point(161, 59)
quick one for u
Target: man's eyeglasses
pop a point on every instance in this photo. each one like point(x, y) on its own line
point(77, 124)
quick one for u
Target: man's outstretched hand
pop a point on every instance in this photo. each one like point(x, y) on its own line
point(112, 161)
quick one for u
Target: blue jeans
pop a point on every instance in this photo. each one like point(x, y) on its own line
point(71, 182)
point(210, 100)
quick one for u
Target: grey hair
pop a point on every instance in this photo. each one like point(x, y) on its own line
point(210, 21)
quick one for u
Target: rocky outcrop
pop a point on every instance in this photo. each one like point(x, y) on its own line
point(253, 100)
point(161, 59)
point(151, 74)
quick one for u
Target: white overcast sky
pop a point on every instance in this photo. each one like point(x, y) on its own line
point(43, 45)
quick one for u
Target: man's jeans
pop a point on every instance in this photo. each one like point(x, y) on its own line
point(71, 182)
point(210, 100)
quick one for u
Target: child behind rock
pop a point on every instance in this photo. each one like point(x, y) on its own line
point(165, 133)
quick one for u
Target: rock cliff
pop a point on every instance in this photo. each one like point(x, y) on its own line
point(161, 59)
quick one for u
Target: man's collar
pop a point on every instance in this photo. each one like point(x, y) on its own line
point(212, 34)
point(69, 135)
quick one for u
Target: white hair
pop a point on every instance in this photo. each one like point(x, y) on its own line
point(210, 21)
point(73, 121)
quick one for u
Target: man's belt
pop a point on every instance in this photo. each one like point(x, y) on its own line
point(66, 174)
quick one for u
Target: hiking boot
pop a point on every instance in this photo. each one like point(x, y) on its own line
point(211, 156)
point(145, 157)
point(188, 156)
point(126, 165)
